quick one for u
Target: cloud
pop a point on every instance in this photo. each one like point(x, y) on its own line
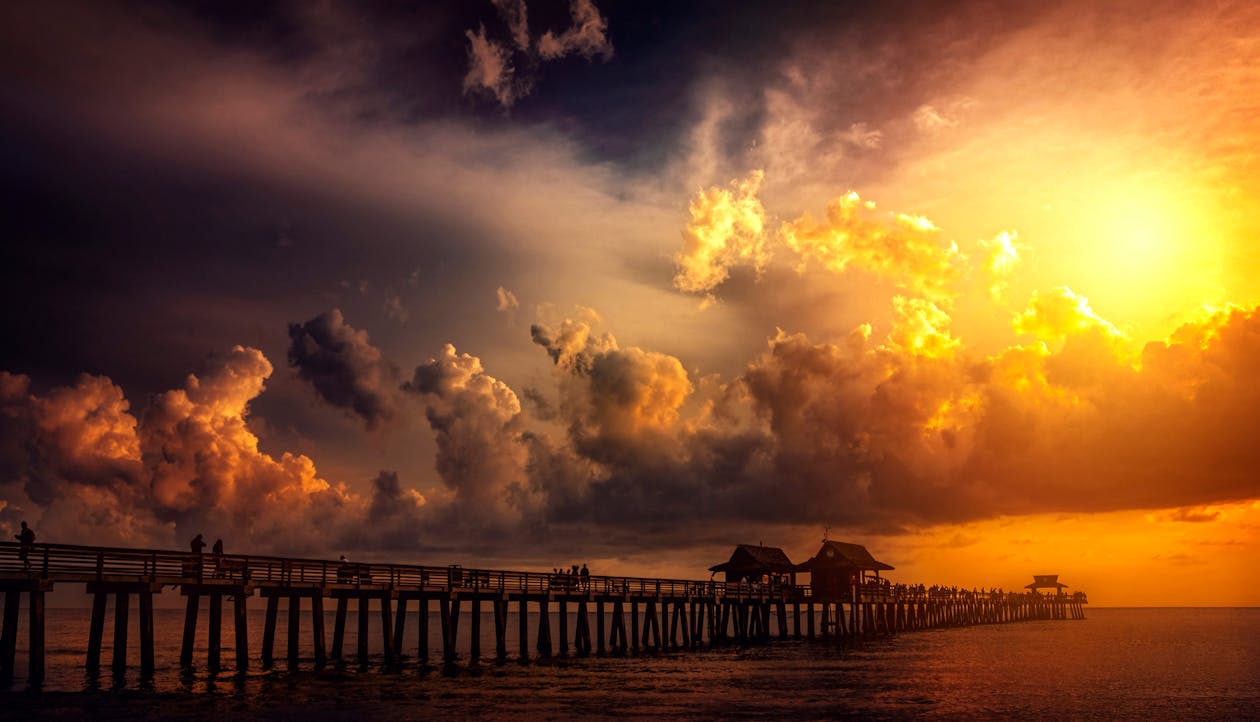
point(344, 368)
point(904, 249)
point(394, 307)
point(914, 430)
point(1060, 313)
point(877, 430)
point(628, 394)
point(1195, 516)
point(928, 118)
point(1000, 259)
point(490, 69)
point(516, 16)
point(588, 35)
point(506, 300)
point(493, 66)
point(727, 228)
point(476, 420)
point(191, 464)
point(860, 136)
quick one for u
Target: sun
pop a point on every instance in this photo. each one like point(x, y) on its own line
point(1143, 252)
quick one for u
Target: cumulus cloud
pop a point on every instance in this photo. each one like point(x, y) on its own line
point(476, 420)
point(882, 428)
point(190, 464)
point(727, 228)
point(345, 369)
point(1061, 313)
point(912, 429)
point(494, 68)
point(624, 394)
point(904, 249)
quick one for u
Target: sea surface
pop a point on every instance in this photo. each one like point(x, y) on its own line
point(1118, 664)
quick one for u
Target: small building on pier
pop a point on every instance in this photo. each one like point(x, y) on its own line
point(1046, 581)
point(753, 563)
point(840, 567)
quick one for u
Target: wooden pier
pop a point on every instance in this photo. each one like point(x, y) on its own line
point(612, 615)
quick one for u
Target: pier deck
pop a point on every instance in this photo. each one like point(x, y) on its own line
point(630, 613)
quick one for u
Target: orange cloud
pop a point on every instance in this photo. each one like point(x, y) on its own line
point(727, 228)
point(191, 464)
point(904, 249)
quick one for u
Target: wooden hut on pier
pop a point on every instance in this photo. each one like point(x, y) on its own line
point(841, 568)
point(1046, 581)
point(753, 563)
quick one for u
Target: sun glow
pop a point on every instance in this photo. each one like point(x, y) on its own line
point(1143, 251)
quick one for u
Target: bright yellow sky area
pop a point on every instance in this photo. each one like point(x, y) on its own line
point(1198, 557)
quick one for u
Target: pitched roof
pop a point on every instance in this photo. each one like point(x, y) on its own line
point(752, 557)
point(834, 553)
point(1042, 581)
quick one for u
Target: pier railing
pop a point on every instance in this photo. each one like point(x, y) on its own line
point(75, 563)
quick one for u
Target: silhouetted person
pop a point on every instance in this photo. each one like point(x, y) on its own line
point(217, 551)
point(586, 578)
point(26, 538)
point(197, 544)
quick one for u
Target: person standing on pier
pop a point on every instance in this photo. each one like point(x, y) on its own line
point(586, 578)
point(26, 538)
point(217, 551)
point(197, 544)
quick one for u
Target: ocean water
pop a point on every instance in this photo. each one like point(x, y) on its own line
point(1119, 664)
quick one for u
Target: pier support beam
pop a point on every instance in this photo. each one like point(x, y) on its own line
point(269, 631)
point(522, 623)
point(214, 644)
point(241, 628)
point(422, 630)
point(147, 662)
point(339, 627)
point(122, 608)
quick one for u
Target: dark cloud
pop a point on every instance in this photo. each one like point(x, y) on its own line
point(344, 368)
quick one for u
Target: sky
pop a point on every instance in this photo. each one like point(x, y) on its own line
point(524, 283)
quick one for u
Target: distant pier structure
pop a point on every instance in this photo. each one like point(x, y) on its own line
point(760, 600)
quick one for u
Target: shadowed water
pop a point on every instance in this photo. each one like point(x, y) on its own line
point(1118, 664)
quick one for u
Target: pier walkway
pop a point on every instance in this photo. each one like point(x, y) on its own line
point(612, 614)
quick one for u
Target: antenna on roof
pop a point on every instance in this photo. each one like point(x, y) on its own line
point(826, 531)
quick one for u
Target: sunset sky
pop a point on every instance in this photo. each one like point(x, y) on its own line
point(533, 282)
